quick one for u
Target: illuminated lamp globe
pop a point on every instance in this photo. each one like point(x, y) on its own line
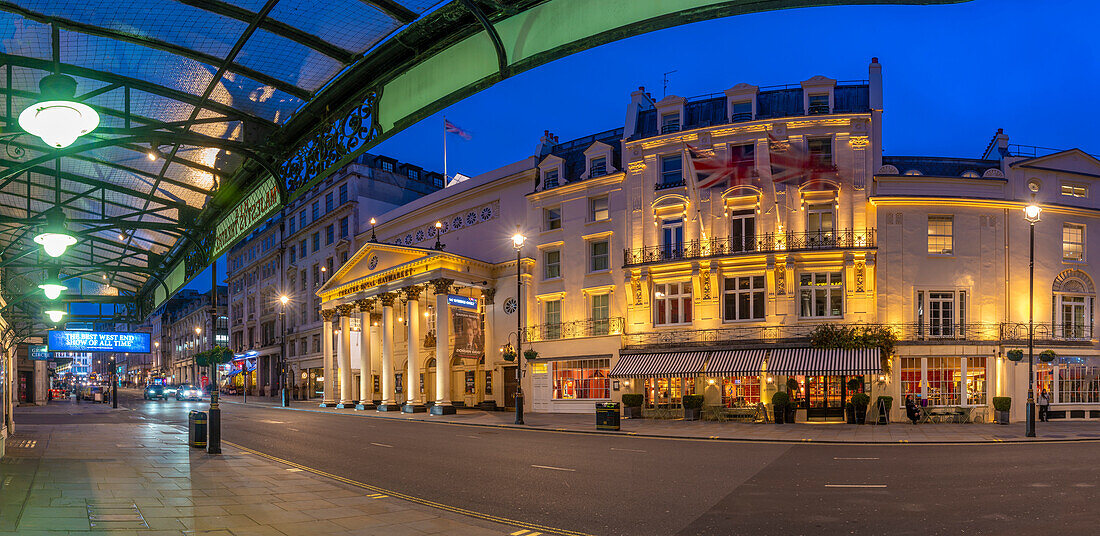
point(1032, 212)
point(284, 299)
point(58, 120)
point(55, 238)
point(518, 240)
point(52, 286)
point(55, 315)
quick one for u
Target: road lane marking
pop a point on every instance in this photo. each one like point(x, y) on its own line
point(519, 532)
point(470, 436)
point(382, 445)
point(377, 496)
point(627, 450)
point(269, 421)
point(855, 485)
point(293, 470)
point(855, 458)
point(553, 468)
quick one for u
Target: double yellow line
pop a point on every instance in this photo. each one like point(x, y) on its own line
point(377, 490)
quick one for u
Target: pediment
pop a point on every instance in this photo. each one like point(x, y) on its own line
point(550, 162)
point(374, 258)
point(1072, 161)
point(598, 148)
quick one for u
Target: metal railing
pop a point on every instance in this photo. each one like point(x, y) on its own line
point(668, 184)
point(669, 128)
point(574, 329)
point(974, 332)
point(741, 117)
point(764, 242)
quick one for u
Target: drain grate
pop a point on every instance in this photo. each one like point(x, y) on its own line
point(115, 516)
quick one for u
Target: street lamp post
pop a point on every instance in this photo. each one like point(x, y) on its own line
point(282, 353)
point(1031, 214)
point(517, 242)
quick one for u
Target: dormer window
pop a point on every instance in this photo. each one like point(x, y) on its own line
point(387, 166)
point(819, 104)
point(742, 111)
point(414, 174)
point(551, 179)
point(670, 122)
point(597, 166)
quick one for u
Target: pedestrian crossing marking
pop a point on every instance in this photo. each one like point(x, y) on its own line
point(525, 532)
point(377, 496)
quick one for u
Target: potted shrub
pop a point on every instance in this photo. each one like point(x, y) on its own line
point(854, 385)
point(780, 401)
point(849, 413)
point(884, 403)
point(792, 404)
point(1001, 405)
point(632, 406)
point(693, 407)
point(860, 401)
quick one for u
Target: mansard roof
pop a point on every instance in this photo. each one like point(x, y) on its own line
point(939, 166)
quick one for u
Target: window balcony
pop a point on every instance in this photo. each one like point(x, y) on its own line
point(670, 128)
point(761, 243)
point(669, 184)
point(574, 330)
point(741, 117)
point(819, 109)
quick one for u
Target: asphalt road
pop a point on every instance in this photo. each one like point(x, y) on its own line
point(630, 485)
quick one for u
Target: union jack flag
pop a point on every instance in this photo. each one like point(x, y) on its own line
point(793, 165)
point(453, 129)
point(737, 168)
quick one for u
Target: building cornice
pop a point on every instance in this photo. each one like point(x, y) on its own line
point(973, 202)
point(747, 127)
point(576, 186)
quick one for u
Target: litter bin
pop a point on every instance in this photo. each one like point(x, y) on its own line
point(196, 429)
point(607, 416)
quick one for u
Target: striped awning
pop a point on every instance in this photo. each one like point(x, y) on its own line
point(824, 361)
point(735, 362)
point(657, 365)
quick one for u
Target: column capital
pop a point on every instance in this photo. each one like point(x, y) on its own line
point(489, 294)
point(412, 293)
point(345, 309)
point(327, 314)
point(441, 285)
point(387, 298)
point(365, 305)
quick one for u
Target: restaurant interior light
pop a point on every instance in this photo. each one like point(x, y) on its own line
point(58, 119)
point(52, 286)
point(55, 238)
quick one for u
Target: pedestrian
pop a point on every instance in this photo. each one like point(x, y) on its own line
point(911, 409)
point(1044, 406)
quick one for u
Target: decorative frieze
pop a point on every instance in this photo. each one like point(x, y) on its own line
point(451, 222)
point(861, 276)
point(780, 279)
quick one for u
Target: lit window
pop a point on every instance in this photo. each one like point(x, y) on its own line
point(1074, 316)
point(552, 264)
point(599, 255)
point(600, 313)
point(582, 379)
point(552, 317)
point(941, 238)
point(598, 209)
point(672, 303)
point(944, 314)
point(1073, 242)
point(743, 298)
point(553, 218)
point(1075, 190)
point(821, 294)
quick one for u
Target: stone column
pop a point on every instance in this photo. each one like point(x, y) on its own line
point(343, 355)
point(491, 349)
point(415, 400)
point(388, 394)
point(442, 406)
point(329, 398)
point(366, 397)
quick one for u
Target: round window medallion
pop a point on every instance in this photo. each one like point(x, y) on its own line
point(471, 218)
point(510, 306)
point(486, 214)
point(373, 262)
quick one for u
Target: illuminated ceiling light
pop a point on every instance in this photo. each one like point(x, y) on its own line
point(55, 315)
point(58, 119)
point(55, 238)
point(52, 285)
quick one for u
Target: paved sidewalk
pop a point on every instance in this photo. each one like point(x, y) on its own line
point(142, 479)
point(897, 432)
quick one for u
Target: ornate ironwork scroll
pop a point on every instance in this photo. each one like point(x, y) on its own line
point(329, 146)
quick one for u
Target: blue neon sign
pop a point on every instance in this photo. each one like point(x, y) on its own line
point(98, 341)
point(461, 301)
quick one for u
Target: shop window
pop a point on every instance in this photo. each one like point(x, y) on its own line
point(599, 313)
point(743, 298)
point(551, 262)
point(598, 209)
point(672, 303)
point(553, 218)
point(975, 381)
point(488, 382)
point(1073, 242)
point(398, 382)
point(599, 255)
point(944, 375)
point(941, 235)
point(740, 391)
point(582, 379)
point(1078, 380)
point(821, 295)
point(910, 378)
point(667, 391)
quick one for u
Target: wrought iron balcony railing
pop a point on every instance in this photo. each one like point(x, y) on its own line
point(760, 243)
point(975, 332)
point(574, 329)
point(669, 184)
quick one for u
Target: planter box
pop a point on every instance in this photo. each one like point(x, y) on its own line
point(632, 412)
point(861, 415)
point(779, 414)
point(1001, 417)
point(692, 414)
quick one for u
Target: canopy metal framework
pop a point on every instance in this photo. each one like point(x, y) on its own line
point(202, 100)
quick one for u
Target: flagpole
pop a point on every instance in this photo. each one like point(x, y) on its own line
point(444, 151)
point(693, 188)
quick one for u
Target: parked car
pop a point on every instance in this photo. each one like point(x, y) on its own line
point(155, 391)
point(188, 392)
point(170, 390)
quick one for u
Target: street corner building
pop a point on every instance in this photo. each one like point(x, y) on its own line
point(703, 246)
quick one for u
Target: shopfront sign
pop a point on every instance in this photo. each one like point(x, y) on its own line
point(98, 341)
point(461, 301)
point(38, 352)
point(253, 209)
point(468, 338)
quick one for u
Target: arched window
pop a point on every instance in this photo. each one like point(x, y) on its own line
point(1072, 302)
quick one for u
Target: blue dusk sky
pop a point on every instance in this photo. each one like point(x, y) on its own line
point(952, 75)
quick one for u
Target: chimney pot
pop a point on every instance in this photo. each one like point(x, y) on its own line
point(874, 59)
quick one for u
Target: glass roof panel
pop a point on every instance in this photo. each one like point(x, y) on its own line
point(287, 61)
point(245, 94)
point(419, 6)
point(22, 37)
point(349, 24)
point(164, 20)
point(135, 61)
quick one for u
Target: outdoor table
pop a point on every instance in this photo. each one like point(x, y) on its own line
point(714, 412)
